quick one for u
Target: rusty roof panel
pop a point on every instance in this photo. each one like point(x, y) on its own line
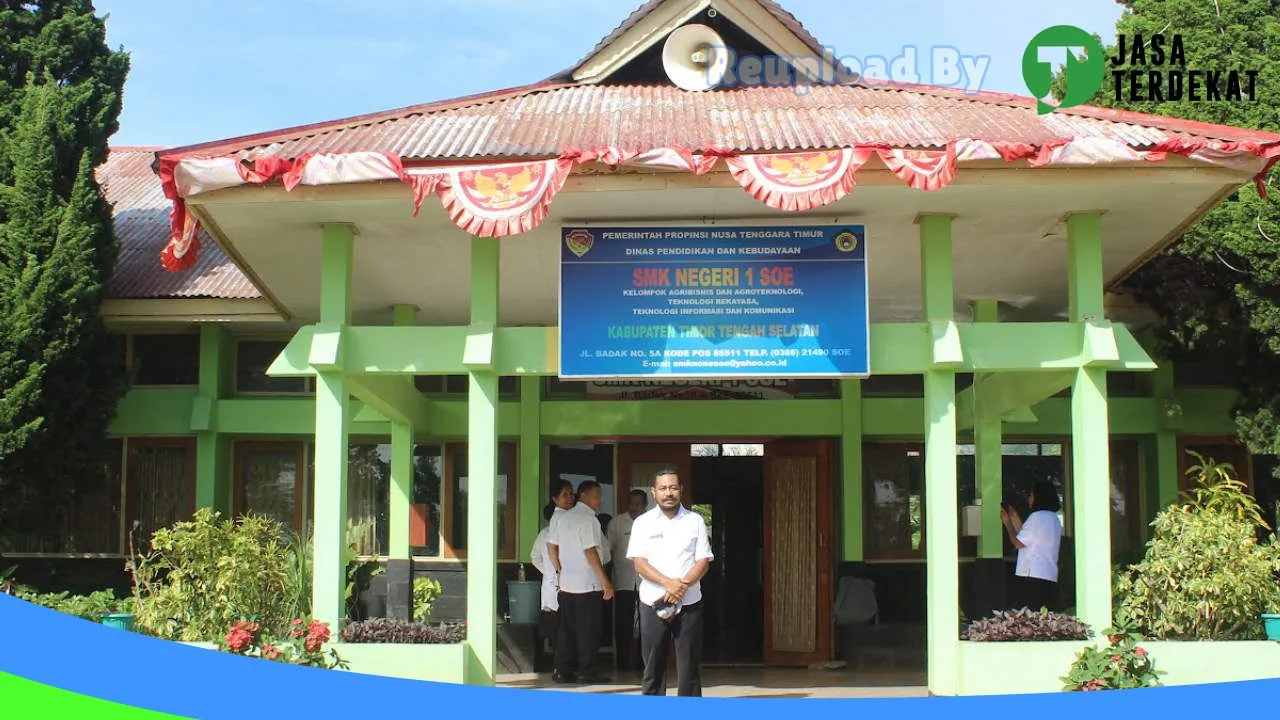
point(544, 122)
point(141, 220)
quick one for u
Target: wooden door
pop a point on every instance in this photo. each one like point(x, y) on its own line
point(798, 554)
point(637, 462)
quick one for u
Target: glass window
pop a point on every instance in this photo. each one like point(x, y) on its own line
point(253, 357)
point(161, 477)
point(269, 481)
point(910, 386)
point(369, 497)
point(1126, 519)
point(893, 500)
point(165, 359)
point(424, 519)
point(456, 523)
point(457, 385)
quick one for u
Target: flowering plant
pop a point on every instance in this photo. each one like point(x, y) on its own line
point(303, 645)
point(1122, 664)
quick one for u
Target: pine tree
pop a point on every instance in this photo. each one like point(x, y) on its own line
point(61, 372)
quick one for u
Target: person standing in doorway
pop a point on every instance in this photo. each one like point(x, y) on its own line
point(577, 549)
point(561, 499)
point(1038, 541)
point(672, 553)
point(625, 581)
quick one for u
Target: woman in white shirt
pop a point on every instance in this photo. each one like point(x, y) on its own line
point(1038, 541)
point(548, 621)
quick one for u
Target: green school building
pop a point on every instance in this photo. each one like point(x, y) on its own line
point(357, 325)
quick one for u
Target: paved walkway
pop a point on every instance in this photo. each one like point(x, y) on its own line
point(758, 683)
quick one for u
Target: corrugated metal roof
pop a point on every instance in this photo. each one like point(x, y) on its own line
point(544, 121)
point(141, 219)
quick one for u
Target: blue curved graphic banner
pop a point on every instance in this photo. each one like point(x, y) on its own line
point(714, 302)
point(53, 664)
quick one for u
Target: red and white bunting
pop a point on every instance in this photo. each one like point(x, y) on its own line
point(795, 182)
point(501, 199)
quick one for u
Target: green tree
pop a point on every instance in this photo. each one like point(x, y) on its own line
point(61, 372)
point(1217, 289)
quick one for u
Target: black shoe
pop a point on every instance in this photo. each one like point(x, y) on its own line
point(561, 678)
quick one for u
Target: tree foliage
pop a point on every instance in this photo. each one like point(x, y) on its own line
point(1217, 289)
point(61, 373)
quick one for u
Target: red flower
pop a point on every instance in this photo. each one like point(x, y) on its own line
point(238, 639)
point(1115, 638)
point(1140, 652)
point(270, 652)
point(1116, 658)
point(312, 643)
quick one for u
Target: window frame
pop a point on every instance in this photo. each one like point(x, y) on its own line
point(243, 447)
point(187, 443)
point(309, 381)
point(883, 555)
point(508, 452)
point(130, 356)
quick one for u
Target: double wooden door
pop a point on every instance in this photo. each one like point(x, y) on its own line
point(798, 558)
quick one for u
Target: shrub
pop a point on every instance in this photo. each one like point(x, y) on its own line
point(1025, 625)
point(425, 592)
point(303, 644)
point(1204, 575)
point(89, 607)
point(1123, 664)
point(203, 575)
point(385, 630)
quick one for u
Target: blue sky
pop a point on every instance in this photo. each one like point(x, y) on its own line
point(212, 69)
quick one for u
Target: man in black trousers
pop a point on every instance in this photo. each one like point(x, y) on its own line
point(577, 550)
point(672, 553)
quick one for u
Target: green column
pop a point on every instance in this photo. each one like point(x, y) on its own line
point(213, 475)
point(1090, 454)
point(851, 469)
point(482, 467)
point(401, 465)
point(530, 501)
point(332, 425)
point(942, 547)
point(987, 440)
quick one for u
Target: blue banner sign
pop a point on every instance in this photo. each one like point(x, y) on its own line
point(713, 302)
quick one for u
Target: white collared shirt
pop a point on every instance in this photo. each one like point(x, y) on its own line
point(574, 532)
point(619, 536)
point(672, 546)
point(550, 599)
point(1042, 536)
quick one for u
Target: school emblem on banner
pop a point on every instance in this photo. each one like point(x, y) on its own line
point(579, 242)
point(802, 170)
point(846, 242)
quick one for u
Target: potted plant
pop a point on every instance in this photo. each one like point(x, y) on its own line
point(1271, 626)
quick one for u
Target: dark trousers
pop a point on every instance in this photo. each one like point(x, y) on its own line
point(685, 630)
point(1034, 593)
point(578, 639)
point(624, 616)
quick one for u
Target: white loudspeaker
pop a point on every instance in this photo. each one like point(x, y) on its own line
point(695, 58)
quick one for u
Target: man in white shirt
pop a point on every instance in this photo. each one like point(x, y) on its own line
point(576, 547)
point(672, 553)
point(625, 580)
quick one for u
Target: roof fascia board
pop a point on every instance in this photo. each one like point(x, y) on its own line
point(768, 29)
point(659, 23)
